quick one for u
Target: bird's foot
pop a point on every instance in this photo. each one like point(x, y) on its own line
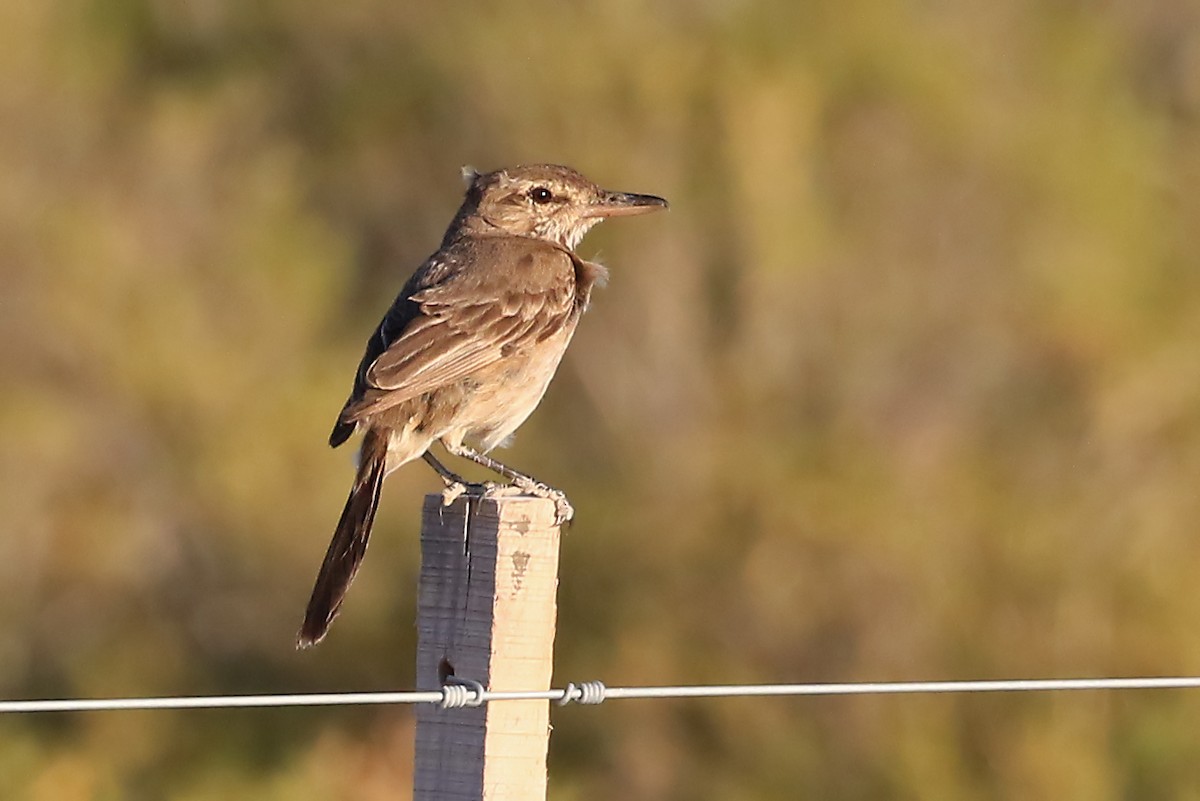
point(456, 489)
point(452, 492)
point(564, 512)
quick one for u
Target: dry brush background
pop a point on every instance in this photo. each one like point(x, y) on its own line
point(905, 386)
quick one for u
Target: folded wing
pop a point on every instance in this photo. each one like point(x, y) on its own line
point(468, 321)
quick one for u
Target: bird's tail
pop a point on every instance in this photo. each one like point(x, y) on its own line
point(349, 542)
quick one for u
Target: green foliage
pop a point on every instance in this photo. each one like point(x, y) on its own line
point(905, 386)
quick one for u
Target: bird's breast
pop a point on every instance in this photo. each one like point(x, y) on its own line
point(499, 398)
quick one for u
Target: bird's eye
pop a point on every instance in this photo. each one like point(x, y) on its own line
point(540, 194)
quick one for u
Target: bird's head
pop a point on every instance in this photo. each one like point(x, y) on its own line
point(546, 201)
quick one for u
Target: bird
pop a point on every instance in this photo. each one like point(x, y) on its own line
point(468, 348)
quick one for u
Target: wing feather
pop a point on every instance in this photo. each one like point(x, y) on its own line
point(475, 316)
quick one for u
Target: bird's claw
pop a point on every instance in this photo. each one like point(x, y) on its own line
point(564, 512)
point(456, 489)
point(452, 492)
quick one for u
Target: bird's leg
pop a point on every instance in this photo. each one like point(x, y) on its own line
point(447, 475)
point(515, 476)
point(528, 484)
point(456, 485)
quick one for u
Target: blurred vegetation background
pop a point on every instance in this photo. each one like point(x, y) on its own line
point(906, 385)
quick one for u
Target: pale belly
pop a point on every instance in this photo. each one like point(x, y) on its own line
point(503, 398)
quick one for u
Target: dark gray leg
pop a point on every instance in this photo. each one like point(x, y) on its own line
point(447, 475)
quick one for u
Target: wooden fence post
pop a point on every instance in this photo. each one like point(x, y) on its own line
point(486, 612)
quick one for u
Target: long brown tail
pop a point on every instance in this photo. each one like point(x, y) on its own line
point(349, 543)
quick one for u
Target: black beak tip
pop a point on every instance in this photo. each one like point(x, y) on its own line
point(649, 200)
point(622, 204)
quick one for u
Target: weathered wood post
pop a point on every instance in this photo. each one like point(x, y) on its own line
point(486, 612)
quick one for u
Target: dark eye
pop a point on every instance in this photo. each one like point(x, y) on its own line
point(540, 194)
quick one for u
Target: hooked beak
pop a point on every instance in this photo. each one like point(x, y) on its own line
point(624, 204)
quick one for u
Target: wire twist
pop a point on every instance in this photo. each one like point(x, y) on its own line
point(459, 693)
point(589, 692)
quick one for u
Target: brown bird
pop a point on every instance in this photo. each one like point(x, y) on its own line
point(469, 346)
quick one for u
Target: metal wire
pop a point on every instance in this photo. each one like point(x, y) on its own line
point(596, 692)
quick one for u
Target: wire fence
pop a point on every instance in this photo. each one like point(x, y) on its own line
point(469, 693)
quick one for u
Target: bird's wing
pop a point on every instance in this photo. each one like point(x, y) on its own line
point(479, 313)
